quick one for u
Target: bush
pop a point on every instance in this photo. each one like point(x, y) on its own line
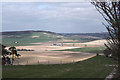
point(107, 52)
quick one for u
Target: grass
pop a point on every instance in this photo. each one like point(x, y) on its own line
point(87, 49)
point(92, 68)
point(81, 39)
point(25, 39)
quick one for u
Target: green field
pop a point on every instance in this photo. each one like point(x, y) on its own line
point(25, 39)
point(87, 49)
point(92, 68)
point(81, 40)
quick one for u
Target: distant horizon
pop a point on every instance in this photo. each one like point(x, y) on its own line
point(51, 31)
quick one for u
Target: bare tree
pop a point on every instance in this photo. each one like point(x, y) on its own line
point(110, 10)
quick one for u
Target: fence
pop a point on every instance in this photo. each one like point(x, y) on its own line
point(46, 62)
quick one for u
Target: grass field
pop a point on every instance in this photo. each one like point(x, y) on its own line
point(25, 39)
point(92, 68)
point(35, 37)
point(87, 49)
point(82, 40)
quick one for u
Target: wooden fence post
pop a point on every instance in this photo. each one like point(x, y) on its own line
point(18, 62)
point(38, 61)
point(48, 62)
point(73, 61)
point(61, 62)
point(27, 62)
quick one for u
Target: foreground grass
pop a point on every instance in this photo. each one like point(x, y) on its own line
point(91, 68)
point(87, 49)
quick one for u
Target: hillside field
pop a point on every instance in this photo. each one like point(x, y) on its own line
point(87, 49)
point(27, 37)
point(51, 47)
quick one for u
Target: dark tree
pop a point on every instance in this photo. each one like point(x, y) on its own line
point(14, 53)
point(6, 53)
point(111, 13)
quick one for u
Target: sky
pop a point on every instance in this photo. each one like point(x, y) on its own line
point(60, 17)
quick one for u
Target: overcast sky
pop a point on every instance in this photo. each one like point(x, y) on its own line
point(57, 17)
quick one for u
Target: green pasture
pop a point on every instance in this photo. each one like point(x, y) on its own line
point(96, 67)
point(25, 39)
point(87, 49)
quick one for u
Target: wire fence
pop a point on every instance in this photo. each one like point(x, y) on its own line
point(38, 62)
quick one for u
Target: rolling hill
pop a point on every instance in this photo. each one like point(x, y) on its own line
point(26, 37)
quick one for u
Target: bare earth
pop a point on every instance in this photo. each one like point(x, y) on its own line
point(45, 54)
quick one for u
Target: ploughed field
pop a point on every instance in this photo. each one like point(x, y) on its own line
point(51, 48)
point(50, 54)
